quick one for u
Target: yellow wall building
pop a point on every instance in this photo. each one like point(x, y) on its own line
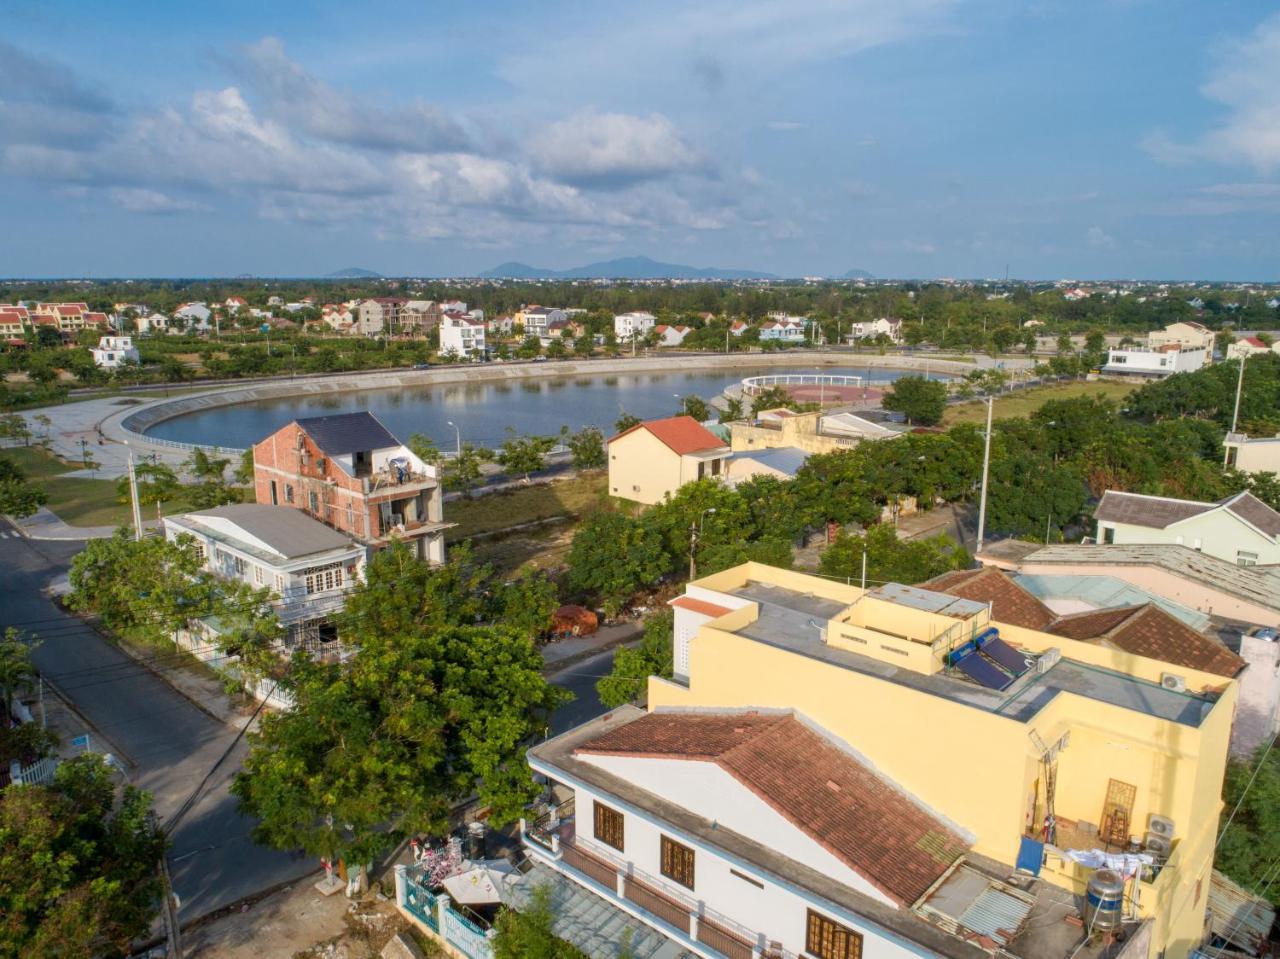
point(652, 460)
point(880, 670)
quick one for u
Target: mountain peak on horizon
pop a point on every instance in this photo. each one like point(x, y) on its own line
point(354, 273)
point(622, 268)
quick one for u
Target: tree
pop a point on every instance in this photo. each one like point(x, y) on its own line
point(13, 426)
point(586, 447)
point(584, 345)
point(732, 411)
point(17, 672)
point(775, 397)
point(206, 467)
point(1251, 843)
point(425, 714)
point(529, 933)
point(18, 496)
point(424, 447)
point(625, 421)
point(614, 556)
point(890, 559)
point(464, 470)
point(524, 454)
point(156, 483)
point(244, 469)
point(90, 886)
point(771, 551)
point(920, 400)
point(696, 407)
point(527, 603)
point(632, 666)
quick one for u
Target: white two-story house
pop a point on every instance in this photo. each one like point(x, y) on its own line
point(113, 352)
point(308, 567)
point(635, 324)
point(461, 335)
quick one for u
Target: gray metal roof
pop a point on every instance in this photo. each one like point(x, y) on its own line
point(1153, 512)
point(348, 433)
point(290, 532)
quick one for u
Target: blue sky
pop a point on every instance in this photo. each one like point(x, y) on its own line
point(910, 138)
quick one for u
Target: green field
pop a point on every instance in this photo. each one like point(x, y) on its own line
point(1026, 402)
point(76, 500)
point(496, 511)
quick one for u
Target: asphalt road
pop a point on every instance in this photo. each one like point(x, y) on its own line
point(167, 743)
point(580, 679)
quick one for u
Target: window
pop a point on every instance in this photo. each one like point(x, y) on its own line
point(321, 578)
point(608, 826)
point(258, 575)
point(275, 494)
point(240, 564)
point(826, 939)
point(677, 862)
point(288, 492)
point(279, 583)
point(1246, 558)
point(315, 503)
point(198, 548)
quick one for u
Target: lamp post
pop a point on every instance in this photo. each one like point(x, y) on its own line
point(695, 534)
point(986, 466)
point(458, 436)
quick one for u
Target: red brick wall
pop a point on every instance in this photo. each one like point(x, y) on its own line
point(340, 504)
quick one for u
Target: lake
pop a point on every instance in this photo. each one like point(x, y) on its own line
point(482, 411)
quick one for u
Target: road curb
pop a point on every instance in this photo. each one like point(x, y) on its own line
point(560, 665)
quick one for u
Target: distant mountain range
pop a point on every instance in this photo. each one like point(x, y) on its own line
point(626, 268)
point(858, 275)
point(354, 273)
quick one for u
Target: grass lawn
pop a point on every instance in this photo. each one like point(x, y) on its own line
point(1025, 402)
point(485, 514)
point(81, 501)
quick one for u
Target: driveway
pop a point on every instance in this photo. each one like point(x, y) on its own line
point(166, 742)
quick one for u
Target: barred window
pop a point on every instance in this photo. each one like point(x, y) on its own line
point(827, 939)
point(608, 826)
point(677, 862)
point(321, 578)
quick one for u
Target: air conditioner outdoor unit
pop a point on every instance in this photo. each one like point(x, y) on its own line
point(1173, 682)
point(1048, 660)
point(1159, 826)
point(1158, 846)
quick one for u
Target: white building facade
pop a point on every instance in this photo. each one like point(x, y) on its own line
point(113, 352)
point(635, 324)
point(1162, 362)
point(461, 335)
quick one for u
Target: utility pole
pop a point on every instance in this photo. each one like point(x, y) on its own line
point(172, 933)
point(133, 499)
point(986, 467)
point(1235, 414)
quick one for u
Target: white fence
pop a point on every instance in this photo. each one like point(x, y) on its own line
point(754, 385)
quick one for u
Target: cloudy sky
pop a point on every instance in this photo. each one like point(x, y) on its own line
point(910, 138)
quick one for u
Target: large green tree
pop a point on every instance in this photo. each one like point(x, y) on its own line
point(614, 556)
point(78, 865)
point(890, 559)
point(427, 713)
point(920, 400)
point(19, 497)
point(633, 665)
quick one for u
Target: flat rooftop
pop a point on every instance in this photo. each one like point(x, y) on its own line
point(795, 621)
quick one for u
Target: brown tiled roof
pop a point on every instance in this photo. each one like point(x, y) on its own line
point(683, 434)
point(1255, 512)
point(1147, 630)
point(1010, 602)
point(1154, 512)
point(861, 818)
point(699, 606)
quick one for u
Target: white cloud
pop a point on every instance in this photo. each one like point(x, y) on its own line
point(1244, 190)
point(783, 125)
point(1246, 82)
point(1096, 236)
point(138, 200)
point(613, 149)
point(923, 247)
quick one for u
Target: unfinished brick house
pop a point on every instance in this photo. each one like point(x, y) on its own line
point(352, 474)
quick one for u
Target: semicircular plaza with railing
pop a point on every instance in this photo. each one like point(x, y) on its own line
point(809, 387)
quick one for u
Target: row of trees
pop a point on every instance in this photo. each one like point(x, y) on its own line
point(518, 455)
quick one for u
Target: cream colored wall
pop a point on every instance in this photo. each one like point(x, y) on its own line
point(1257, 457)
point(1215, 533)
point(641, 460)
point(1182, 334)
point(744, 436)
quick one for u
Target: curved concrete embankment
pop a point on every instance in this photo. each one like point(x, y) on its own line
point(131, 425)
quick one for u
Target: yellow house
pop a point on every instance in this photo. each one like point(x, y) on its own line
point(1011, 734)
point(655, 458)
point(1185, 333)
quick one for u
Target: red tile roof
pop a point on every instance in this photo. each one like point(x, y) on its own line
point(845, 806)
point(682, 434)
point(1147, 630)
point(1010, 602)
point(700, 606)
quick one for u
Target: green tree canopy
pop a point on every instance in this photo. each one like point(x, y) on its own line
point(920, 400)
point(18, 496)
point(80, 878)
point(633, 665)
point(614, 556)
point(890, 559)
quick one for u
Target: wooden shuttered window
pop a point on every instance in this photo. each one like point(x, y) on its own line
point(827, 939)
point(677, 862)
point(608, 826)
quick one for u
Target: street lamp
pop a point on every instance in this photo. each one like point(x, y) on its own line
point(458, 434)
point(695, 534)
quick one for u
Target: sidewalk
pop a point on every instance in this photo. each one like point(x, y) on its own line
point(44, 524)
point(564, 653)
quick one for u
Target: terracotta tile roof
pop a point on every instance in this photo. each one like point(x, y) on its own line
point(1255, 512)
point(682, 434)
point(1010, 602)
point(1147, 630)
point(700, 606)
point(1154, 512)
point(861, 818)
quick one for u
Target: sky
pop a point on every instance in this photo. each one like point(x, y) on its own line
point(909, 138)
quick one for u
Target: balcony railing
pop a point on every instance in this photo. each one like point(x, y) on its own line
point(670, 911)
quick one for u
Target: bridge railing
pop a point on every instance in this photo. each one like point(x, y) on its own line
point(754, 385)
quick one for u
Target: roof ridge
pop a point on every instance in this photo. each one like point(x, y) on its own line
point(1166, 499)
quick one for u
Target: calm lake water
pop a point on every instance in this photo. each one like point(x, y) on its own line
point(482, 411)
